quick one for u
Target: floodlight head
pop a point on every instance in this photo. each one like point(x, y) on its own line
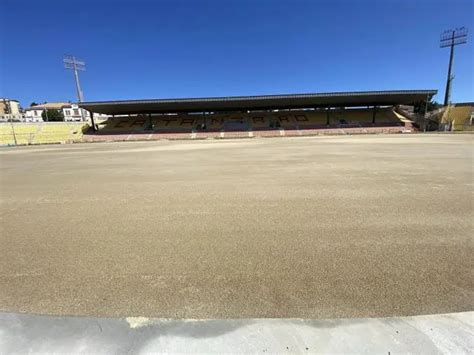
point(453, 37)
point(71, 62)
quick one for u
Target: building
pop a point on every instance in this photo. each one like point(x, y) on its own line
point(10, 109)
point(34, 113)
point(73, 113)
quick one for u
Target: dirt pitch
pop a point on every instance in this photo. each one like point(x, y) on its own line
point(290, 227)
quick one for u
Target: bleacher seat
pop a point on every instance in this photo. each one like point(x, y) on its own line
point(387, 115)
point(210, 123)
point(259, 122)
point(460, 116)
point(171, 123)
point(286, 120)
point(254, 121)
point(237, 122)
point(364, 117)
point(309, 119)
point(350, 117)
point(215, 123)
point(122, 124)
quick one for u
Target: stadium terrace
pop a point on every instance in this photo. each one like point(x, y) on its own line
point(253, 116)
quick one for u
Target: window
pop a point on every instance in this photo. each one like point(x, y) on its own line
point(76, 112)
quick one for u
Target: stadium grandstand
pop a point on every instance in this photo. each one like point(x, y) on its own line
point(231, 117)
point(250, 116)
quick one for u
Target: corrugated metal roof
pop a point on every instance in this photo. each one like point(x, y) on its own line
point(230, 103)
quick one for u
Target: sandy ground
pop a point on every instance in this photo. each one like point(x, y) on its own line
point(315, 227)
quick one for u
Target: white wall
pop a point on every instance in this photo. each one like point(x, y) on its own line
point(75, 113)
point(14, 107)
point(33, 115)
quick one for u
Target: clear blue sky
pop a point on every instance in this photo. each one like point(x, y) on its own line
point(157, 49)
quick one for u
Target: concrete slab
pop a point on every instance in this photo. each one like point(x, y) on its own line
point(429, 334)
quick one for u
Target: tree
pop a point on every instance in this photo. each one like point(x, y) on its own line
point(33, 104)
point(419, 107)
point(52, 115)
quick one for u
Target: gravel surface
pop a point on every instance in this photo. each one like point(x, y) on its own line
point(317, 227)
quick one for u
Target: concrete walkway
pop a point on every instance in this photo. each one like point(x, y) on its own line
point(430, 334)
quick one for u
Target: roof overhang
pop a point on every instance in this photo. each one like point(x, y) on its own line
point(264, 102)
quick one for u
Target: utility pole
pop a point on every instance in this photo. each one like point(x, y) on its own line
point(451, 38)
point(426, 112)
point(71, 62)
point(8, 111)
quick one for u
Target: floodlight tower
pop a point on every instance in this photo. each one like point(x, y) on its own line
point(71, 62)
point(451, 38)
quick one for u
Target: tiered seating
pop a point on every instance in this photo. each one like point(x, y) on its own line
point(345, 117)
point(354, 117)
point(124, 125)
point(460, 116)
point(238, 122)
point(212, 123)
point(363, 117)
point(282, 120)
point(274, 120)
point(387, 115)
point(260, 122)
point(310, 119)
point(171, 123)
